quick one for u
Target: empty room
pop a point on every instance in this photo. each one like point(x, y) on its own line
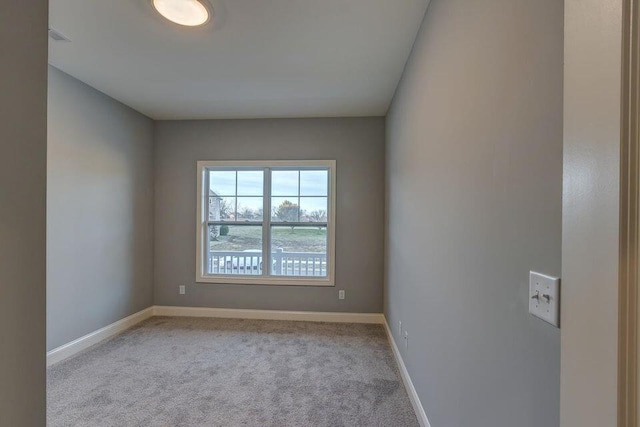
point(319, 213)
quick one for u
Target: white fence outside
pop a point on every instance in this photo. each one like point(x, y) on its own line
point(249, 262)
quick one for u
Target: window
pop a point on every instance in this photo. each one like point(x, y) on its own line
point(267, 223)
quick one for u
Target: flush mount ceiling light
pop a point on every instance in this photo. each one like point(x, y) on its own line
point(190, 13)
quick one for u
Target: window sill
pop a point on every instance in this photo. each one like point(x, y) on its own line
point(265, 281)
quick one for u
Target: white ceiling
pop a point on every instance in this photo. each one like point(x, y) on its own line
point(258, 58)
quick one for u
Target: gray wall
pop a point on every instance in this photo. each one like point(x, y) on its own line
point(99, 210)
point(357, 145)
point(474, 166)
point(592, 100)
point(23, 162)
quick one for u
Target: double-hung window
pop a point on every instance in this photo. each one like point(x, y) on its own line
point(270, 222)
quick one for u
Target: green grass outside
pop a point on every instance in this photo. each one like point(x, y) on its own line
point(300, 239)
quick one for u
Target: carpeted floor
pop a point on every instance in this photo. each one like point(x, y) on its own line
point(221, 372)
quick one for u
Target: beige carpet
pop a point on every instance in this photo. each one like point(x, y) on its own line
point(219, 372)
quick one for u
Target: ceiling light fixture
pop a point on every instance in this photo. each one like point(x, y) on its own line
point(190, 13)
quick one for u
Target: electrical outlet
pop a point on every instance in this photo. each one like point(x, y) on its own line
point(400, 327)
point(340, 294)
point(182, 289)
point(406, 339)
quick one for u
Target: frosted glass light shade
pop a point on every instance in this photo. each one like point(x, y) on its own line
point(190, 13)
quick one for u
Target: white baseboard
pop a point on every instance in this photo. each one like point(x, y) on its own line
point(82, 343)
point(408, 384)
point(308, 316)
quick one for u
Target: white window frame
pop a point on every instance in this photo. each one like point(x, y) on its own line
point(265, 278)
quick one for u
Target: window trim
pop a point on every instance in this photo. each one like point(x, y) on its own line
point(202, 227)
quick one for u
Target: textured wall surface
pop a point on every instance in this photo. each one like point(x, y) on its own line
point(590, 228)
point(23, 180)
point(99, 210)
point(474, 164)
point(358, 147)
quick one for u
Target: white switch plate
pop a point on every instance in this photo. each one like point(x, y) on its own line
point(544, 297)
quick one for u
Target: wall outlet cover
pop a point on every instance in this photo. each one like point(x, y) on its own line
point(544, 297)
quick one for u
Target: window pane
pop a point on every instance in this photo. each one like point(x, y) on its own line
point(249, 209)
point(250, 183)
point(223, 183)
point(235, 249)
point(299, 251)
point(314, 183)
point(284, 209)
point(313, 209)
point(284, 183)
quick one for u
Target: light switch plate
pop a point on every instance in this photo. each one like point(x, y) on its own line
point(544, 297)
